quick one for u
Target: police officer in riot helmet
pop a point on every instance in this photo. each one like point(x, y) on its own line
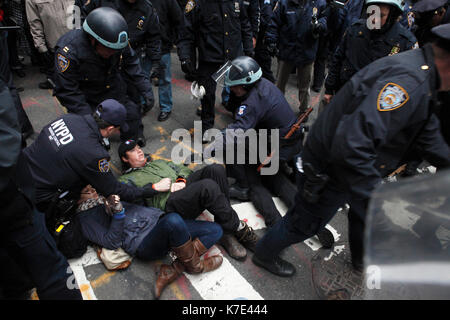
point(95, 64)
point(258, 104)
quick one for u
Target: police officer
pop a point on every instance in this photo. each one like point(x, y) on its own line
point(384, 110)
point(428, 14)
point(171, 19)
point(223, 32)
point(258, 104)
point(26, 127)
point(144, 35)
point(294, 31)
point(388, 39)
point(24, 242)
point(262, 55)
point(96, 63)
point(69, 154)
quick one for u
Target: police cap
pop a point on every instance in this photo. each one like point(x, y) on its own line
point(428, 5)
point(442, 33)
point(113, 112)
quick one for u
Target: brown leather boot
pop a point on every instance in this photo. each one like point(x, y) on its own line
point(167, 275)
point(189, 256)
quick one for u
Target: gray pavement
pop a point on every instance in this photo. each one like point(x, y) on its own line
point(136, 282)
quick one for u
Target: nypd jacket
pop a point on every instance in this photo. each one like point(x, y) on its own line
point(221, 29)
point(68, 155)
point(290, 28)
point(376, 118)
point(170, 20)
point(83, 79)
point(143, 24)
point(347, 61)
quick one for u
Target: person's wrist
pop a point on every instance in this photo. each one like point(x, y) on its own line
point(119, 215)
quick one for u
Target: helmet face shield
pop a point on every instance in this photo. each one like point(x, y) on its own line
point(219, 75)
point(122, 38)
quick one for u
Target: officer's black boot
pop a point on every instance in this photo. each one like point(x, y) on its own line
point(277, 266)
point(326, 238)
point(237, 192)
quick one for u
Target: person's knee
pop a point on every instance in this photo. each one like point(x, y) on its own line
point(210, 186)
point(174, 222)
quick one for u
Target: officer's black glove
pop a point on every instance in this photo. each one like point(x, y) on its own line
point(250, 54)
point(148, 191)
point(148, 105)
point(272, 48)
point(186, 66)
point(156, 73)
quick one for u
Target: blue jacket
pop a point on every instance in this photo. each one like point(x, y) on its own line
point(126, 232)
point(290, 28)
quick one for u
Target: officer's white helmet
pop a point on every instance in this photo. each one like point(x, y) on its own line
point(400, 4)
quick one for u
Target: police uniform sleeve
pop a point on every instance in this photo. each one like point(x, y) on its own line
point(254, 15)
point(153, 38)
point(175, 17)
point(246, 33)
point(134, 72)
point(359, 133)
point(67, 90)
point(187, 30)
point(10, 137)
point(332, 82)
point(274, 25)
point(245, 118)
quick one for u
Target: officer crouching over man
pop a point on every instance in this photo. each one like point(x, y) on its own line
point(96, 63)
point(386, 109)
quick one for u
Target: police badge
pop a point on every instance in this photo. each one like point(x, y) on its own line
point(189, 6)
point(103, 165)
point(63, 62)
point(392, 97)
point(140, 24)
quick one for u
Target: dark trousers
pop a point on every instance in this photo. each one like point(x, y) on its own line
point(320, 63)
point(304, 220)
point(205, 189)
point(34, 250)
point(173, 231)
point(264, 60)
point(205, 70)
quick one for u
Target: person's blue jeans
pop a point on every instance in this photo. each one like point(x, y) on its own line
point(173, 231)
point(165, 83)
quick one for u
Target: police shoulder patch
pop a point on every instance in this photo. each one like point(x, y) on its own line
point(241, 110)
point(391, 97)
point(63, 62)
point(189, 6)
point(103, 165)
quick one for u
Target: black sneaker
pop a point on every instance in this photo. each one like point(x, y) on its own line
point(45, 85)
point(237, 192)
point(247, 237)
point(163, 116)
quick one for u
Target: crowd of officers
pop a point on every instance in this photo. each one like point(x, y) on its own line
point(384, 105)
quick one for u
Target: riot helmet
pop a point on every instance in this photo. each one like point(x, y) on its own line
point(242, 71)
point(396, 10)
point(108, 27)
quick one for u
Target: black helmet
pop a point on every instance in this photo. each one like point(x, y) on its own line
point(244, 70)
point(108, 27)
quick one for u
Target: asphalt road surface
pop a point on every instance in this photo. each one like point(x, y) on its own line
point(233, 280)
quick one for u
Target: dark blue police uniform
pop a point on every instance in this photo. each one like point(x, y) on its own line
point(384, 110)
point(23, 236)
point(262, 56)
point(264, 107)
point(83, 79)
point(68, 155)
point(371, 46)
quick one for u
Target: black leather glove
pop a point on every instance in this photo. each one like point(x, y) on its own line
point(47, 58)
point(148, 105)
point(250, 54)
point(156, 73)
point(272, 48)
point(186, 66)
point(148, 191)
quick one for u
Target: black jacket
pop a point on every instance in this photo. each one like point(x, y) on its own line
point(170, 20)
point(384, 111)
point(347, 61)
point(68, 155)
point(220, 27)
point(83, 79)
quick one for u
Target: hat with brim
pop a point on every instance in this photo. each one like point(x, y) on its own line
point(113, 112)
